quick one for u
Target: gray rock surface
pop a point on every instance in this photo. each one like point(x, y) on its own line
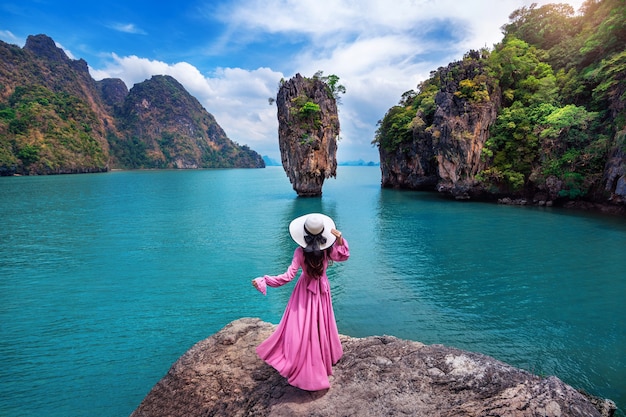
point(378, 376)
point(446, 155)
point(307, 140)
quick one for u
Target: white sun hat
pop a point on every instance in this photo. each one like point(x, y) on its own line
point(312, 224)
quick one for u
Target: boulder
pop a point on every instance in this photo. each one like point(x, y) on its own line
point(223, 376)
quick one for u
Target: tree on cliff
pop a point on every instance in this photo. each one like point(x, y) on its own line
point(332, 81)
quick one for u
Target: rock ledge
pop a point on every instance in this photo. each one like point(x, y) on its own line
point(222, 375)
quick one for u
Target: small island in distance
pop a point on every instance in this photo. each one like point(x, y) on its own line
point(270, 162)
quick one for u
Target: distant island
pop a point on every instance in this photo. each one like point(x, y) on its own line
point(270, 162)
point(359, 163)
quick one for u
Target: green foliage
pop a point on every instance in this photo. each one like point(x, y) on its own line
point(521, 73)
point(306, 111)
point(565, 119)
point(425, 100)
point(332, 81)
point(129, 153)
point(395, 128)
point(309, 110)
point(537, 130)
point(604, 31)
point(514, 143)
point(474, 90)
point(48, 132)
point(307, 140)
point(544, 27)
point(574, 186)
point(610, 90)
point(28, 154)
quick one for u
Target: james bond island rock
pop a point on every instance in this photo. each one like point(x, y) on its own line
point(308, 128)
point(377, 376)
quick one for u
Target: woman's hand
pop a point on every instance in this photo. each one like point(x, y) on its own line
point(254, 284)
point(337, 234)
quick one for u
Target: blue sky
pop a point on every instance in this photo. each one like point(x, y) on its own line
point(232, 54)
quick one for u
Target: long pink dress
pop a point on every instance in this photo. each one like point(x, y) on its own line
point(306, 342)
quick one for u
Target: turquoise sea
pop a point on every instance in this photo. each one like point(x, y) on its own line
point(106, 279)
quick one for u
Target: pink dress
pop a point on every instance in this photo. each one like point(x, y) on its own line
point(306, 342)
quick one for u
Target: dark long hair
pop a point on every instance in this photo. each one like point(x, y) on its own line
point(314, 261)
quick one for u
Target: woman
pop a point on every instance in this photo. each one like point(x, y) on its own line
point(306, 343)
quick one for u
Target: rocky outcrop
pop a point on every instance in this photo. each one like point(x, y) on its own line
point(308, 128)
point(509, 125)
point(223, 376)
point(446, 155)
point(113, 92)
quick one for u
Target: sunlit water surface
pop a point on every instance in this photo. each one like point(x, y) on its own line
point(106, 279)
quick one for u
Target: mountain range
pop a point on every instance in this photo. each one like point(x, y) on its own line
point(55, 118)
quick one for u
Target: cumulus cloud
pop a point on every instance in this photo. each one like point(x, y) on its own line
point(378, 52)
point(237, 98)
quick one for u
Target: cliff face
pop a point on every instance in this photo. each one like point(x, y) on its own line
point(52, 119)
point(615, 174)
point(55, 118)
point(540, 119)
point(615, 169)
point(446, 154)
point(377, 376)
point(113, 92)
point(175, 130)
point(308, 128)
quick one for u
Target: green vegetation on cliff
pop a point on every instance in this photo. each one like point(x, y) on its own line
point(49, 132)
point(560, 82)
point(55, 118)
point(47, 123)
point(163, 126)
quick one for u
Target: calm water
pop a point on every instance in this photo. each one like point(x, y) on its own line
point(106, 279)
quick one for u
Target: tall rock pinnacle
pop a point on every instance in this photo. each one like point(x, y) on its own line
point(308, 128)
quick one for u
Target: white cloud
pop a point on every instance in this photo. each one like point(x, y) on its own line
point(378, 51)
point(127, 28)
point(237, 98)
point(8, 37)
point(69, 53)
